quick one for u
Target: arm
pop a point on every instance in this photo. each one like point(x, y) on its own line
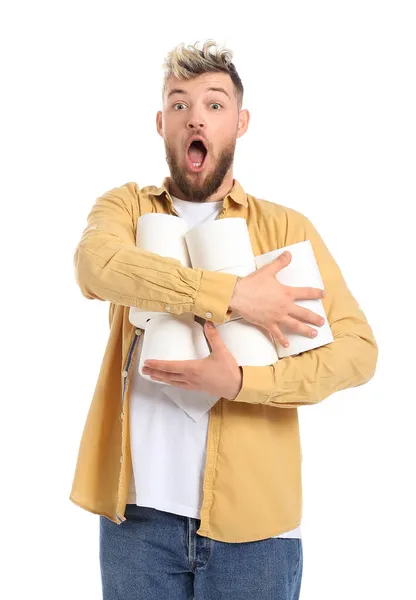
point(109, 266)
point(350, 360)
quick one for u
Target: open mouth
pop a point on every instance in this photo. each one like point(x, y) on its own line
point(196, 156)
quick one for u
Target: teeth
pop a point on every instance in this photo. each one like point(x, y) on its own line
point(197, 164)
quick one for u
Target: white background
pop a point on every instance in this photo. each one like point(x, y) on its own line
point(331, 90)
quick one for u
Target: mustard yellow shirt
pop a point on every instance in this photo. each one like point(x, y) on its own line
point(252, 481)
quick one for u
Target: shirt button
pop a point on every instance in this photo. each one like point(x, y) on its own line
point(208, 315)
point(124, 373)
point(167, 308)
point(138, 331)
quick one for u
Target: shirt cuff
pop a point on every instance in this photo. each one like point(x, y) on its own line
point(257, 385)
point(214, 296)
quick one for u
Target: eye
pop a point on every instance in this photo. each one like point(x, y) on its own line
point(178, 104)
point(216, 104)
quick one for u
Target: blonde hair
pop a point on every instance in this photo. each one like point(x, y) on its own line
point(188, 62)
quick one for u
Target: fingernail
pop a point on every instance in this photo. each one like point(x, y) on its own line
point(210, 325)
point(322, 321)
point(314, 333)
point(286, 345)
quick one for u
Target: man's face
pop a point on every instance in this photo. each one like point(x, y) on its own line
point(203, 107)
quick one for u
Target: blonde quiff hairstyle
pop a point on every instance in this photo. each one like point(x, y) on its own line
point(188, 62)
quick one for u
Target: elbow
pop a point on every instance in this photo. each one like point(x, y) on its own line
point(366, 358)
point(373, 354)
point(83, 275)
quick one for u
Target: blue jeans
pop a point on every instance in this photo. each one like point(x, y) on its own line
point(156, 555)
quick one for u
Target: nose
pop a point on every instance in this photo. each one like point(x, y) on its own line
point(195, 123)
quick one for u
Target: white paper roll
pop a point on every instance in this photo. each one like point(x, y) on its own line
point(164, 235)
point(171, 337)
point(250, 345)
point(139, 318)
point(302, 271)
point(220, 244)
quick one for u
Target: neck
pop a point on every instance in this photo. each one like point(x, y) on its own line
point(222, 191)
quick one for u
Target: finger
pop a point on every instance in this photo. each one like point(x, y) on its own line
point(296, 327)
point(306, 316)
point(175, 383)
point(215, 340)
point(177, 367)
point(277, 264)
point(164, 376)
point(305, 293)
point(160, 373)
point(189, 369)
point(281, 261)
point(278, 337)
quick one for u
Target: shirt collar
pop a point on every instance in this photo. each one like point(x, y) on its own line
point(236, 193)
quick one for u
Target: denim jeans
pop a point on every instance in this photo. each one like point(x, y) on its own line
point(155, 555)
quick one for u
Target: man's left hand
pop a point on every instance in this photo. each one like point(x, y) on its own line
point(218, 374)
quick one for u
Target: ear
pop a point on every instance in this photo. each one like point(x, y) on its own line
point(243, 121)
point(159, 123)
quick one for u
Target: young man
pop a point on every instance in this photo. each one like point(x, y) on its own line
point(208, 509)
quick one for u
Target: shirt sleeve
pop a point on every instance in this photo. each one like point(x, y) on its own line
point(310, 377)
point(109, 266)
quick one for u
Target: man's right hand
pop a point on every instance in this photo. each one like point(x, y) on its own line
point(261, 299)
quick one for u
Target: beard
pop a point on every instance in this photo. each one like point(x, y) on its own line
point(200, 191)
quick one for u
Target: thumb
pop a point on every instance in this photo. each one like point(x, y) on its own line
point(213, 337)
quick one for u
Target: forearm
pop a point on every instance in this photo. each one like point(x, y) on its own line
point(109, 266)
point(131, 277)
point(308, 378)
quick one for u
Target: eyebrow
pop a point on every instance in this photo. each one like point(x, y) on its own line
point(211, 89)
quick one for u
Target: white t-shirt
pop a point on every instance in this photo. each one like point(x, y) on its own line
point(168, 448)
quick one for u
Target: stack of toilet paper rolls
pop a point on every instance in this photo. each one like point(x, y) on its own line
point(224, 246)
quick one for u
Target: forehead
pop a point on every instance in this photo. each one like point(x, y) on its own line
point(199, 84)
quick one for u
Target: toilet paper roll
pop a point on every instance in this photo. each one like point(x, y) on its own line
point(171, 337)
point(302, 271)
point(220, 244)
point(250, 345)
point(139, 317)
point(164, 235)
